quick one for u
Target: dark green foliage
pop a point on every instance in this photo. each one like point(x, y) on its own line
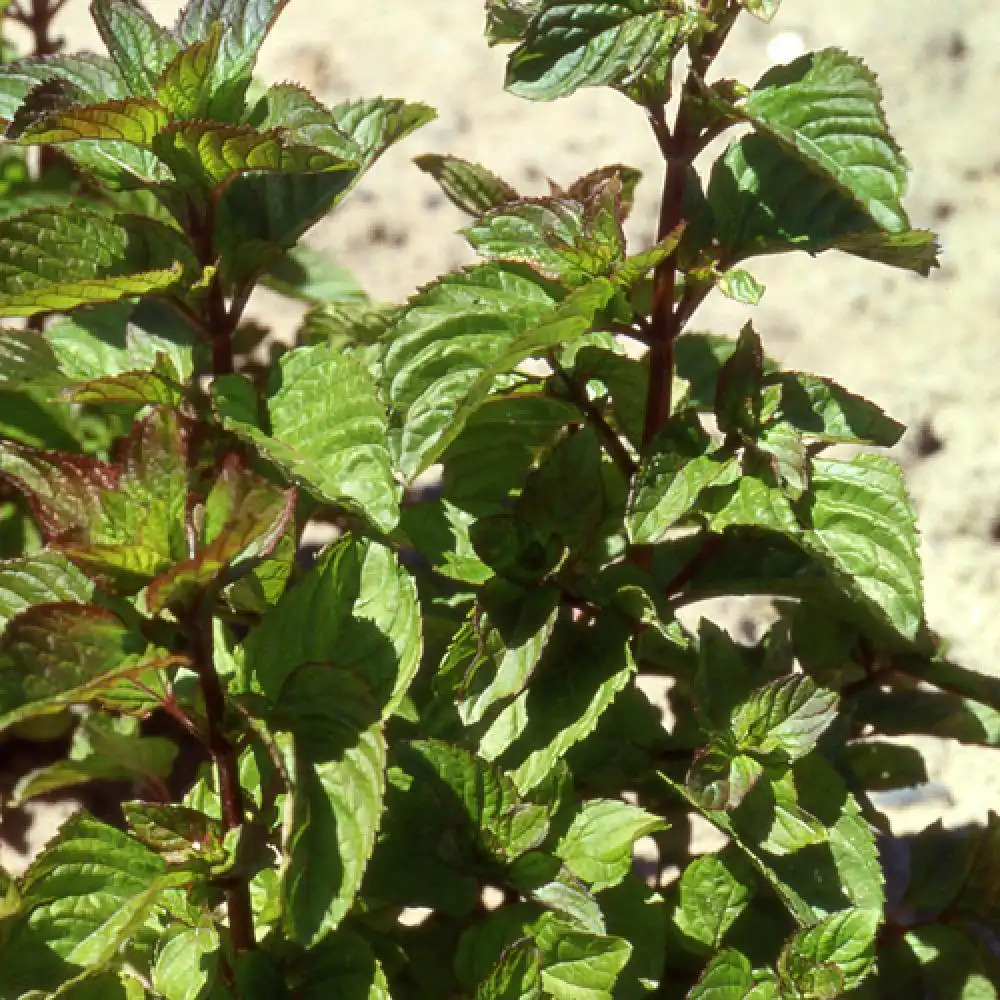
point(447, 704)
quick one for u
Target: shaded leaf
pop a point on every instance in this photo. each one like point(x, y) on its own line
point(311, 276)
point(517, 976)
point(628, 45)
point(497, 650)
point(680, 463)
point(718, 779)
point(556, 715)
point(823, 410)
point(335, 813)
point(357, 609)
point(54, 655)
point(501, 823)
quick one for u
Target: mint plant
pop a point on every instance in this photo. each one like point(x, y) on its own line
point(425, 757)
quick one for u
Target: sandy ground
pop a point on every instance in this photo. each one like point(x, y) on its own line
point(924, 349)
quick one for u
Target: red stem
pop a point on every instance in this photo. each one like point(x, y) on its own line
point(237, 891)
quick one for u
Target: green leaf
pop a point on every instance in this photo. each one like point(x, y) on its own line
point(109, 139)
point(561, 238)
point(104, 341)
point(376, 123)
point(827, 107)
point(138, 388)
point(507, 20)
point(357, 609)
point(844, 941)
point(124, 522)
point(335, 812)
point(27, 361)
point(57, 261)
point(102, 748)
point(54, 655)
point(327, 430)
point(483, 797)
point(718, 779)
point(821, 409)
point(822, 170)
point(184, 85)
point(469, 186)
point(94, 77)
point(559, 715)
point(763, 9)
point(517, 976)
point(598, 845)
point(751, 502)
point(83, 898)
point(140, 47)
point(188, 965)
point(712, 893)
point(788, 715)
point(577, 965)
point(498, 648)
point(628, 44)
point(246, 517)
point(209, 155)
point(863, 528)
point(741, 286)
point(500, 442)
point(729, 977)
point(310, 276)
point(44, 577)
point(492, 319)
point(680, 463)
point(244, 27)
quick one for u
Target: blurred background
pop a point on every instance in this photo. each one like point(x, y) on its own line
point(924, 349)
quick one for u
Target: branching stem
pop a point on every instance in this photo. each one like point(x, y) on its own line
point(578, 395)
